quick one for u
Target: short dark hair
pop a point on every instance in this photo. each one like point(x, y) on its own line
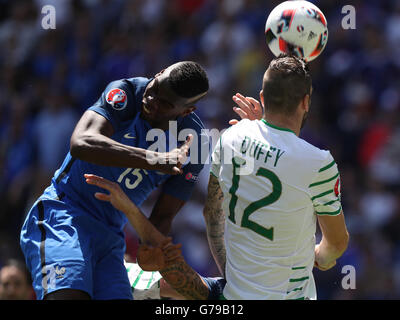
point(188, 79)
point(288, 81)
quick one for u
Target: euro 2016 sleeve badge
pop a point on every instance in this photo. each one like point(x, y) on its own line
point(117, 98)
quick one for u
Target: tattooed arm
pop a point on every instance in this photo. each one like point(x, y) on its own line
point(167, 258)
point(215, 223)
point(187, 282)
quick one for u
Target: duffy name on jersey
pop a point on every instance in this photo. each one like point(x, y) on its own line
point(256, 149)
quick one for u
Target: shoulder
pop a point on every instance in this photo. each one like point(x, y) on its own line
point(315, 157)
point(121, 100)
point(131, 90)
point(239, 127)
point(137, 84)
point(316, 152)
point(132, 86)
point(239, 130)
point(324, 167)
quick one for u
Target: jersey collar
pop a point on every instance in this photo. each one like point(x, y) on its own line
point(276, 127)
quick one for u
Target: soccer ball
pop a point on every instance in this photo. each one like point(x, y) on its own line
point(298, 28)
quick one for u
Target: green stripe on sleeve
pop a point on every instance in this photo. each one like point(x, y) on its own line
point(324, 181)
point(327, 204)
point(296, 289)
point(327, 167)
point(321, 194)
point(329, 213)
point(298, 279)
point(298, 268)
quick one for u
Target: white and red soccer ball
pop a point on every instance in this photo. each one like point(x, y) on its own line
point(297, 27)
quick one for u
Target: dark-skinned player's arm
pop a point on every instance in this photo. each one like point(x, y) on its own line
point(163, 256)
point(177, 189)
point(164, 211)
point(91, 142)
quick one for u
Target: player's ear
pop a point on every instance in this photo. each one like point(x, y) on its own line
point(306, 102)
point(262, 98)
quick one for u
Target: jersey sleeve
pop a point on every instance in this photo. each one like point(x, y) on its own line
point(325, 189)
point(119, 102)
point(181, 186)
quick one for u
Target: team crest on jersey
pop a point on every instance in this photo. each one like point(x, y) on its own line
point(117, 98)
point(191, 177)
point(337, 188)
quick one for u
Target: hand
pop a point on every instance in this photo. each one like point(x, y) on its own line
point(249, 108)
point(116, 197)
point(171, 251)
point(171, 162)
point(321, 262)
point(150, 258)
point(157, 258)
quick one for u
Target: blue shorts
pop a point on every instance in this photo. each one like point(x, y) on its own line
point(215, 287)
point(66, 248)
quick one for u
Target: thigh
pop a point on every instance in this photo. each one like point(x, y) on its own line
point(110, 277)
point(57, 250)
point(67, 294)
point(215, 287)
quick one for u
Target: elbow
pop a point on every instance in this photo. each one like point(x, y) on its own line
point(346, 241)
point(77, 147)
point(341, 246)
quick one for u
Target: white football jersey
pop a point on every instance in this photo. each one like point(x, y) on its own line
point(145, 284)
point(274, 184)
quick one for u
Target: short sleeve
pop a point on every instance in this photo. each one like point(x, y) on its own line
point(181, 186)
point(325, 189)
point(121, 100)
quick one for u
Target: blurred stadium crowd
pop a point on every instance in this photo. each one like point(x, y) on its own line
point(49, 77)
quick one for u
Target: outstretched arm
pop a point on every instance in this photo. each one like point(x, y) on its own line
point(164, 211)
point(91, 141)
point(171, 264)
point(146, 231)
point(215, 223)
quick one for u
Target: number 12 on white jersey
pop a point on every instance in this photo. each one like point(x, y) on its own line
point(254, 206)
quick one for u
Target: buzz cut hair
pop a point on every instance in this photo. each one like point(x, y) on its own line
point(188, 79)
point(286, 82)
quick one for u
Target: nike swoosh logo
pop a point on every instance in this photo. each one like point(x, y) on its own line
point(128, 136)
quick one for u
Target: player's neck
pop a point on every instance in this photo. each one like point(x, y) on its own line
point(283, 121)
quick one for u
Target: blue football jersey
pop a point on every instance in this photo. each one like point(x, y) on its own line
point(120, 103)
